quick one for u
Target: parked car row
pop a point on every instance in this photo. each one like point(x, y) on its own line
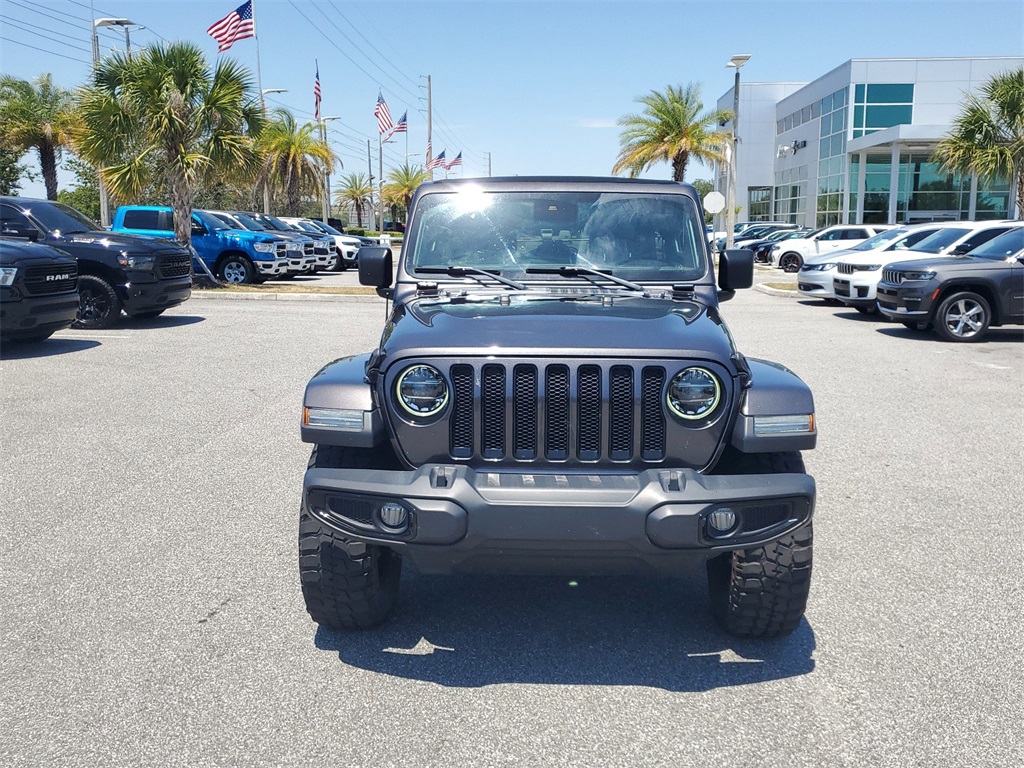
point(958, 278)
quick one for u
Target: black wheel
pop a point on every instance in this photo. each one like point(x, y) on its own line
point(791, 262)
point(343, 590)
point(762, 592)
point(237, 270)
point(963, 316)
point(867, 310)
point(98, 304)
point(148, 315)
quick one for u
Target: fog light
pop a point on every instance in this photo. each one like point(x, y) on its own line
point(393, 516)
point(721, 521)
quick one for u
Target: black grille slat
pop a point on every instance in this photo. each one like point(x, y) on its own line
point(556, 423)
point(175, 265)
point(524, 412)
point(39, 279)
point(462, 411)
point(588, 413)
point(492, 412)
point(758, 518)
point(845, 269)
point(652, 414)
point(620, 400)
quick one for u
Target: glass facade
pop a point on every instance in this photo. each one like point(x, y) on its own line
point(759, 204)
point(831, 156)
point(881, 105)
point(791, 195)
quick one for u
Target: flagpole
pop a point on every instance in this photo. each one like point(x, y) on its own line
point(380, 182)
point(263, 101)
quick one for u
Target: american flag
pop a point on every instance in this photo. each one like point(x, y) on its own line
point(384, 124)
point(457, 160)
point(316, 94)
point(437, 162)
point(237, 25)
point(429, 154)
point(402, 126)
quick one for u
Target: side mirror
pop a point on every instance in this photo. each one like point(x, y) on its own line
point(198, 229)
point(375, 269)
point(19, 229)
point(961, 249)
point(735, 269)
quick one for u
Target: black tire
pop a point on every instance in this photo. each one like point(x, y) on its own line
point(236, 270)
point(963, 317)
point(762, 592)
point(148, 315)
point(98, 303)
point(791, 262)
point(344, 591)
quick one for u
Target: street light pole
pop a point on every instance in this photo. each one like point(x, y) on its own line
point(96, 24)
point(326, 205)
point(736, 61)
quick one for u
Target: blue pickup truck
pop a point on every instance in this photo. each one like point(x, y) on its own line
point(235, 256)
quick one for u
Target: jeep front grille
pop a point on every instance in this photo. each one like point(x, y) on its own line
point(175, 265)
point(47, 279)
point(557, 412)
point(892, 276)
point(845, 269)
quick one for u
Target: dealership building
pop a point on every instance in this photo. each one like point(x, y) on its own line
point(855, 146)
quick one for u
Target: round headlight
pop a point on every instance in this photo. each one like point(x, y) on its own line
point(693, 393)
point(422, 390)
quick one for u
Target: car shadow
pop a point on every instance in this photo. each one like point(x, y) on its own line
point(992, 335)
point(475, 631)
point(13, 350)
point(862, 317)
point(163, 321)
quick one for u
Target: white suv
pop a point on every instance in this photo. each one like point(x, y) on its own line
point(856, 280)
point(791, 254)
point(815, 280)
point(348, 245)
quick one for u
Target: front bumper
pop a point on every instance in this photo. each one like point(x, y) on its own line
point(816, 284)
point(272, 267)
point(912, 301)
point(162, 294)
point(35, 315)
point(300, 264)
point(466, 520)
point(347, 254)
point(856, 290)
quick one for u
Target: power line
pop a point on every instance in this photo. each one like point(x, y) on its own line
point(51, 16)
point(44, 50)
point(24, 26)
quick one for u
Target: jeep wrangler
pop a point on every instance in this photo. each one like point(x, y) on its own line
point(556, 392)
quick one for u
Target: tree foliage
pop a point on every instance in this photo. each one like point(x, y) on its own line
point(164, 119)
point(674, 128)
point(10, 170)
point(294, 158)
point(37, 115)
point(355, 190)
point(987, 137)
point(402, 183)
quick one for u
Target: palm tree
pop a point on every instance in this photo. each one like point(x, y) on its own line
point(354, 189)
point(673, 128)
point(164, 118)
point(404, 181)
point(987, 137)
point(37, 115)
point(293, 157)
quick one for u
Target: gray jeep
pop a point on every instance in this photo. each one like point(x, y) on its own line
point(555, 392)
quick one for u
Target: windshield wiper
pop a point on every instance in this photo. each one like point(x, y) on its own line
point(457, 271)
point(584, 272)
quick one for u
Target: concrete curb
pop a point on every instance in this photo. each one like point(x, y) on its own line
point(776, 291)
point(216, 295)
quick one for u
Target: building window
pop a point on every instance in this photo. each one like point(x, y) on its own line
point(831, 154)
point(759, 204)
point(791, 195)
point(881, 105)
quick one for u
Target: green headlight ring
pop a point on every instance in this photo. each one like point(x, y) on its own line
point(401, 401)
point(714, 403)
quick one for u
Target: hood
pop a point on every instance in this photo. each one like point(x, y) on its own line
point(118, 241)
point(14, 253)
point(545, 324)
point(825, 258)
point(945, 263)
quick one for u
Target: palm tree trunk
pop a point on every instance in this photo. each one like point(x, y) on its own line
point(48, 163)
point(181, 202)
point(359, 214)
point(293, 196)
point(679, 163)
point(1020, 193)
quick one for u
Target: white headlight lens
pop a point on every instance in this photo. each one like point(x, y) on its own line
point(265, 247)
point(334, 418)
point(918, 275)
point(693, 393)
point(422, 390)
point(7, 275)
point(783, 425)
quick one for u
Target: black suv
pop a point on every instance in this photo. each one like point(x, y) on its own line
point(555, 391)
point(38, 290)
point(961, 297)
point(141, 275)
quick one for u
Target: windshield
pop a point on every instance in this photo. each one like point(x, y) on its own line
point(936, 241)
point(644, 236)
point(60, 219)
point(210, 221)
point(1003, 247)
point(327, 228)
point(879, 240)
point(251, 224)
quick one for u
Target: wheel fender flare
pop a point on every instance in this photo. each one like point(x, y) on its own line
point(774, 391)
point(342, 384)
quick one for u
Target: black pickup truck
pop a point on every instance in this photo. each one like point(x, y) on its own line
point(142, 276)
point(38, 290)
point(961, 297)
point(556, 391)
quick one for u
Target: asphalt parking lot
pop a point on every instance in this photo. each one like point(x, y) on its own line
point(152, 614)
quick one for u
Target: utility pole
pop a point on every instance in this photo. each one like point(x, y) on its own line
point(430, 171)
point(488, 164)
point(736, 61)
point(369, 169)
point(96, 24)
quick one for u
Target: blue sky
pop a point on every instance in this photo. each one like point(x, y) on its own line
point(538, 85)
